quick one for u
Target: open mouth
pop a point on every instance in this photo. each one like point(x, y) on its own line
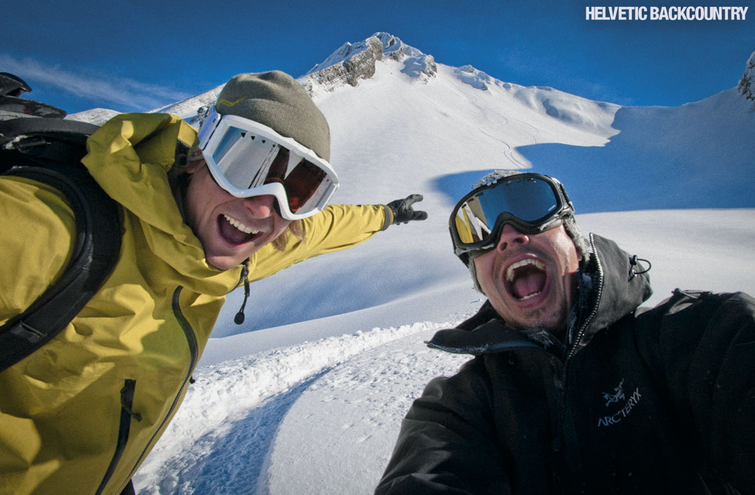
point(526, 279)
point(235, 232)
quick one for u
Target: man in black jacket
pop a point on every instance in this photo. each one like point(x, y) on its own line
point(572, 388)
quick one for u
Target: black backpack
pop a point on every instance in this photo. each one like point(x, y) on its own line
point(49, 150)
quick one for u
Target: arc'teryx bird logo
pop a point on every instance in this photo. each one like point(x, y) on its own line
point(616, 397)
point(626, 404)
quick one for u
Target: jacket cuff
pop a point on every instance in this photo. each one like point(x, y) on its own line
point(388, 217)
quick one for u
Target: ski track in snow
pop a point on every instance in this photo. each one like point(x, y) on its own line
point(232, 412)
point(357, 407)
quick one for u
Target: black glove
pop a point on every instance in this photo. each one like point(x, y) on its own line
point(403, 212)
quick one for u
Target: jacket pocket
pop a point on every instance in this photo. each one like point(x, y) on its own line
point(191, 340)
point(127, 413)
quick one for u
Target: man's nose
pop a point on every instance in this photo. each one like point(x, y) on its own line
point(260, 206)
point(509, 235)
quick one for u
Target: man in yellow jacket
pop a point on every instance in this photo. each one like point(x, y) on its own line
point(243, 200)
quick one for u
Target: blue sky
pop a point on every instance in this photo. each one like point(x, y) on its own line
point(142, 54)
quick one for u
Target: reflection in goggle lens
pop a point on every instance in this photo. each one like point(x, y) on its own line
point(531, 200)
point(248, 161)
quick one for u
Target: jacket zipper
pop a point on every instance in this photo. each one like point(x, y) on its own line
point(589, 319)
point(127, 413)
point(580, 335)
point(194, 353)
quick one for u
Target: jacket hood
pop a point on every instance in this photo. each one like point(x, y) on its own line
point(129, 157)
point(611, 285)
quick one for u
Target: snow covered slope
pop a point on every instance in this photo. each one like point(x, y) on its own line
point(402, 131)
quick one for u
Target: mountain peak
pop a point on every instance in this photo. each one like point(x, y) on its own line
point(747, 83)
point(355, 61)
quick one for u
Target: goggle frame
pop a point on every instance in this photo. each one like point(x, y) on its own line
point(211, 135)
point(551, 219)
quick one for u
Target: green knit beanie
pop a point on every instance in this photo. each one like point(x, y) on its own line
point(276, 100)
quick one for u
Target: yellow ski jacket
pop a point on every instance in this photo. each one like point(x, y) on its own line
point(80, 414)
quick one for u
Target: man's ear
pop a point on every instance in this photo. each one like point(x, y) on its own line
point(193, 165)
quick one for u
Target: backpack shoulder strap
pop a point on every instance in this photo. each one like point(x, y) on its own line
point(95, 251)
point(68, 130)
point(54, 140)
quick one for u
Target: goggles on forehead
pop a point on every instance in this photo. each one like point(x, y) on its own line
point(532, 203)
point(249, 159)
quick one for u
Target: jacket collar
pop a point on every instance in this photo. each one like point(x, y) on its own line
point(130, 157)
point(610, 286)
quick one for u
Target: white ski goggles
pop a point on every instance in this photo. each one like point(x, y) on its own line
point(249, 159)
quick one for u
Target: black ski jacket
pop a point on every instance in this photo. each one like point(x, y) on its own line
point(635, 402)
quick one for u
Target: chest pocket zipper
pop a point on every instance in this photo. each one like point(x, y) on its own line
point(127, 414)
point(191, 340)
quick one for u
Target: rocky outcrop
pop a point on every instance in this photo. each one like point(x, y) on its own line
point(349, 63)
point(747, 83)
point(473, 77)
point(356, 61)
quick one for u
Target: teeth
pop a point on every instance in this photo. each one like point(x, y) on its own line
point(531, 295)
point(243, 228)
point(529, 261)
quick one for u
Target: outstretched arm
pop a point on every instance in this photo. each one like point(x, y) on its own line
point(447, 441)
point(706, 345)
point(722, 383)
point(338, 227)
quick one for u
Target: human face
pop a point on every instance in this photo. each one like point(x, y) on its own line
point(230, 229)
point(530, 279)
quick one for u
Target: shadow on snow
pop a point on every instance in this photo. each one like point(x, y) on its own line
point(662, 158)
